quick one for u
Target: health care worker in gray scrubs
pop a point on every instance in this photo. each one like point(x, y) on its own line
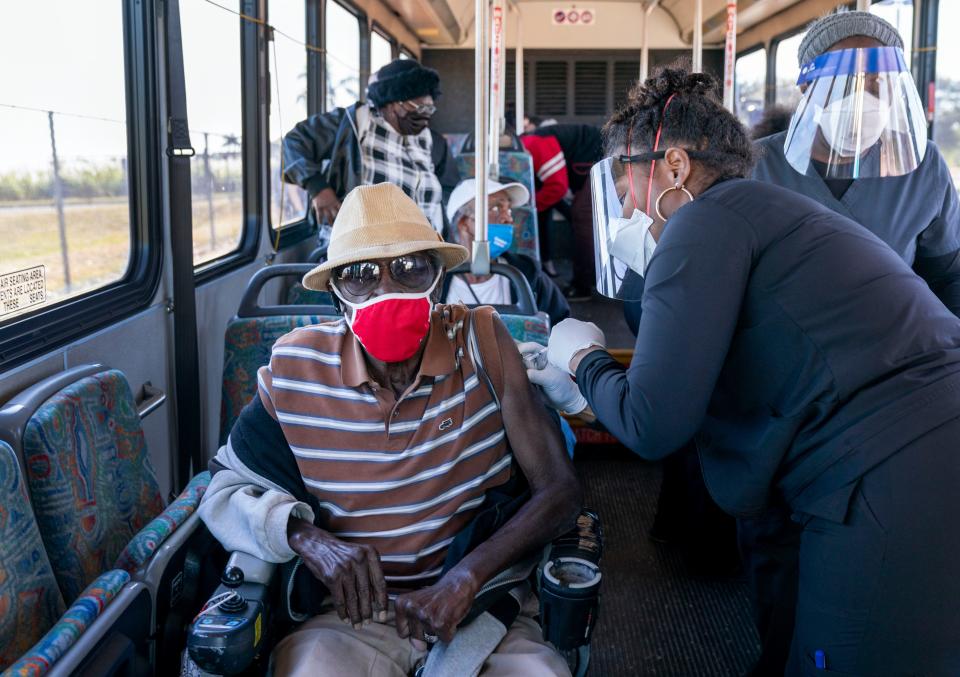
point(857, 145)
point(809, 360)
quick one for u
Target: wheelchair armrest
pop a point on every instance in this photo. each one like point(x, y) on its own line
point(255, 570)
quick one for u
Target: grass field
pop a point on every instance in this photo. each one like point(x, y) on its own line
point(98, 240)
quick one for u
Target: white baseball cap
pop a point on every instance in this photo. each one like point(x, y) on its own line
point(466, 190)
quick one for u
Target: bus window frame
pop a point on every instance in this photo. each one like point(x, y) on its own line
point(28, 336)
point(293, 232)
point(766, 74)
point(251, 63)
point(376, 27)
point(363, 28)
point(775, 43)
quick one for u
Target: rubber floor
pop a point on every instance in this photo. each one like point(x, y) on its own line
point(656, 618)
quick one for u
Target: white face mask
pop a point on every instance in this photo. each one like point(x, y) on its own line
point(630, 241)
point(835, 123)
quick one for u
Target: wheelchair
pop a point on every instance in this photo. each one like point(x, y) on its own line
point(235, 631)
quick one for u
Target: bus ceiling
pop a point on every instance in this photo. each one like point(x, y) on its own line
point(450, 23)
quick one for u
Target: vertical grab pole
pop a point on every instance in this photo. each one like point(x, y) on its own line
point(863, 5)
point(480, 263)
point(698, 37)
point(497, 48)
point(645, 49)
point(730, 57)
point(518, 71)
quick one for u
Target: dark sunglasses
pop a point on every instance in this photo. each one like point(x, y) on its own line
point(415, 272)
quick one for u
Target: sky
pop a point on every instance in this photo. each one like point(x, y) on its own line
point(68, 57)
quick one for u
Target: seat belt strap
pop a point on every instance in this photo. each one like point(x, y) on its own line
point(185, 344)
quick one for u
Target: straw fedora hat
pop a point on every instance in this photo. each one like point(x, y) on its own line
point(380, 222)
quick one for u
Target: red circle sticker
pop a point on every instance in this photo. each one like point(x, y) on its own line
point(559, 16)
point(586, 16)
point(573, 16)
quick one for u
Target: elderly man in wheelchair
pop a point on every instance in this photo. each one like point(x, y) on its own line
point(399, 467)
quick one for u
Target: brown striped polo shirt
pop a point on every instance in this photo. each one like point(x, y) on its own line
point(406, 474)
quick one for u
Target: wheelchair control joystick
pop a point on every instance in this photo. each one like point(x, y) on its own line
point(228, 634)
point(232, 578)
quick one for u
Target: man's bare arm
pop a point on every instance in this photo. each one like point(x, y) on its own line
point(538, 446)
point(554, 504)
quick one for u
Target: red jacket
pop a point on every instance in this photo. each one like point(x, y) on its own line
point(550, 168)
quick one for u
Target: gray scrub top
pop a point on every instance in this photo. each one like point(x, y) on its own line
point(917, 215)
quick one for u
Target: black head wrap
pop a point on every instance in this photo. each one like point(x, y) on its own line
point(400, 80)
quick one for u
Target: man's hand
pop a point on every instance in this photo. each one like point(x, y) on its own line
point(326, 205)
point(351, 572)
point(436, 611)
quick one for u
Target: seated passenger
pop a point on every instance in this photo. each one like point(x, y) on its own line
point(495, 289)
point(375, 442)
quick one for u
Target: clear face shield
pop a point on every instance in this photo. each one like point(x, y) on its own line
point(860, 116)
point(623, 243)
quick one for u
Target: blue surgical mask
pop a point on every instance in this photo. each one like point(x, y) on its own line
point(500, 236)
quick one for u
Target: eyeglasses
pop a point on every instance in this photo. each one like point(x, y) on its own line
point(414, 272)
point(642, 157)
point(501, 208)
point(496, 210)
point(425, 109)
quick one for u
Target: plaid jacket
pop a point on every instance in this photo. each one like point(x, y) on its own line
point(323, 151)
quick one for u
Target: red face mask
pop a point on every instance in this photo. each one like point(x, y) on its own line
point(391, 327)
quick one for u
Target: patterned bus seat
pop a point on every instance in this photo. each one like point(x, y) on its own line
point(528, 327)
point(52, 646)
point(138, 551)
point(247, 345)
point(92, 486)
point(90, 479)
point(30, 600)
point(35, 631)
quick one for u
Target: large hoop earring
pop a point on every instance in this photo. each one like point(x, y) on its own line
point(677, 186)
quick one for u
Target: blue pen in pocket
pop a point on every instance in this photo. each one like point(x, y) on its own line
point(820, 659)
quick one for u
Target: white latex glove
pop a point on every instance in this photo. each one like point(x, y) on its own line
point(562, 393)
point(534, 354)
point(570, 337)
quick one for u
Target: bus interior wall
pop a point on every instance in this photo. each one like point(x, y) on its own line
point(456, 109)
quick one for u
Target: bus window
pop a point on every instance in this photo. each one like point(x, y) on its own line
point(404, 54)
point(343, 56)
point(381, 51)
point(787, 71)
point(900, 14)
point(288, 102)
point(946, 123)
point(65, 224)
point(211, 61)
point(750, 82)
